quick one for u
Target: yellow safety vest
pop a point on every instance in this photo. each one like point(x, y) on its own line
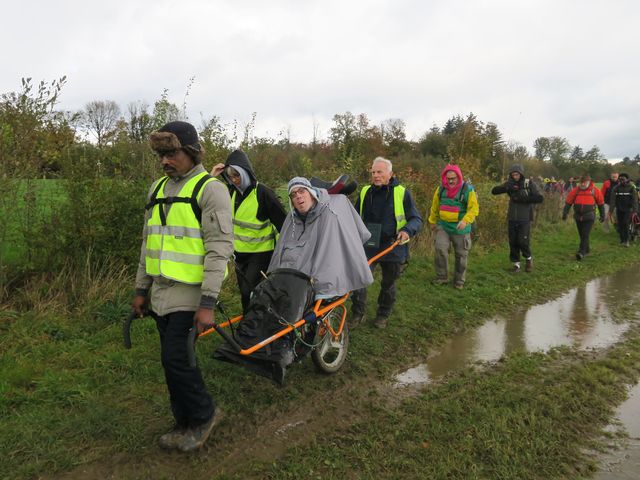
point(175, 247)
point(250, 234)
point(398, 204)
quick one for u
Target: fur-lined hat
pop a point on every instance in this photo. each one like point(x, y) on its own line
point(174, 136)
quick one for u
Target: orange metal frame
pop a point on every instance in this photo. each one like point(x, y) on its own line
point(319, 310)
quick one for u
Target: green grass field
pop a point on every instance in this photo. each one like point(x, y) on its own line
point(72, 399)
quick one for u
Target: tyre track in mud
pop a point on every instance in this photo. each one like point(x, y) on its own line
point(235, 443)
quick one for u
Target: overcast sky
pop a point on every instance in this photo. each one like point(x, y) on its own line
point(535, 68)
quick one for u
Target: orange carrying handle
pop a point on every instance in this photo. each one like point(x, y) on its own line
point(318, 309)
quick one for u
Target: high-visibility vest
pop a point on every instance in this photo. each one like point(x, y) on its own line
point(175, 246)
point(398, 204)
point(250, 234)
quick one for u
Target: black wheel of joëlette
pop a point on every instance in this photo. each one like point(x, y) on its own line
point(329, 353)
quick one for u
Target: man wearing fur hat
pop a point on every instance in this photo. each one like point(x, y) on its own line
point(187, 241)
point(257, 217)
point(390, 214)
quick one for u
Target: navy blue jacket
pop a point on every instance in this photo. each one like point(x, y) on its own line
point(378, 208)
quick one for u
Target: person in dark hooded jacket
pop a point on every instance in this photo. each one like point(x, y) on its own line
point(390, 214)
point(585, 198)
point(257, 215)
point(624, 200)
point(523, 194)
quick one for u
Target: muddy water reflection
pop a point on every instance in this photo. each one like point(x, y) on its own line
point(625, 464)
point(580, 318)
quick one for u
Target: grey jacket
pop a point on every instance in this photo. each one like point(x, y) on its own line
point(168, 296)
point(327, 245)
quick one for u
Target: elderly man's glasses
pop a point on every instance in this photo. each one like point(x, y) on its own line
point(452, 179)
point(296, 192)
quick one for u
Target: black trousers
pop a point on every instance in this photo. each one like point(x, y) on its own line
point(519, 240)
point(584, 230)
point(624, 220)
point(387, 298)
point(248, 268)
point(191, 404)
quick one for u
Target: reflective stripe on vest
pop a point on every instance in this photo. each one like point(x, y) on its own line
point(398, 204)
point(176, 250)
point(250, 234)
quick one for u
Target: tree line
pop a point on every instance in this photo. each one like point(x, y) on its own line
point(38, 140)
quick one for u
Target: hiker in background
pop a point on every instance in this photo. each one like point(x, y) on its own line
point(624, 199)
point(522, 196)
point(608, 184)
point(453, 211)
point(390, 214)
point(584, 198)
point(257, 217)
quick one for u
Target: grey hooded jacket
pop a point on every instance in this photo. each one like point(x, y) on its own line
point(327, 245)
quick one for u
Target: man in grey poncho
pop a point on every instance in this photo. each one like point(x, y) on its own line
point(319, 254)
point(323, 237)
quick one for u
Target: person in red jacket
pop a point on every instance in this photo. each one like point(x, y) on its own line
point(584, 198)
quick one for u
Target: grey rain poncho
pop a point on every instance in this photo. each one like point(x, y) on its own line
point(327, 246)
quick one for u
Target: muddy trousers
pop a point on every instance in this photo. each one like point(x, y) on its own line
point(461, 246)
point(624, 220)
point(390, 273)
point(248, 268)
point(519, 240)
point(191, 404)
point(584, 230)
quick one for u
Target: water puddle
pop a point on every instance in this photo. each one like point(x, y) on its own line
point(624, 463)
point(580, 318)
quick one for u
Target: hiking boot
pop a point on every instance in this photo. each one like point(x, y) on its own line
point(515, 268)
point(278, 372)
point(529, 266)
point(626, 244)
point(195, 437)
point(173, 438)
point(579, 256)
point(356, 320)
point(381, 322)
point(440, 281)
point(458, 286)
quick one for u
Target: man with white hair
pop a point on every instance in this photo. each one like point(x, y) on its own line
point(390, 214)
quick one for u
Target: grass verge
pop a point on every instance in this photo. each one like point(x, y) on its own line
point(71, 396)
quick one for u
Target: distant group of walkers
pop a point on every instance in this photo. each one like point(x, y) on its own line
point(194, 224)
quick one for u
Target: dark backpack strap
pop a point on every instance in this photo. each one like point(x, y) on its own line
point(197, 211)
point(154, 196)
point(154, 200)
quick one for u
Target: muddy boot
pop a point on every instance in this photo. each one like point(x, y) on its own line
point(195, 437)
point(579, 256)
point(173, 438)
point(529, 266)
point(356, 320)
point(381, 322)
point(439, 281)
point(516, 267)
point(458, 285)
